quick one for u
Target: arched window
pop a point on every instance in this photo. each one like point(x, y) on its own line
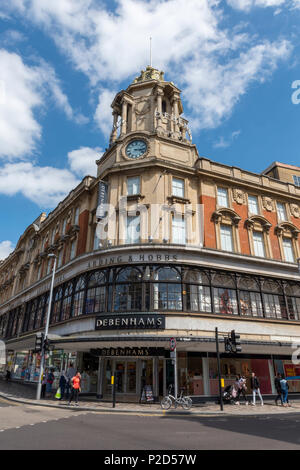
point(249, 296)
point(67, 301)
point(79, 296)
point(167, 289)
point(57, 305)
point(96, 293)
point(128, 290)
point(288, 241)
point(227, 233)
point(225, 300)
point(197, 291)
point(258, 232)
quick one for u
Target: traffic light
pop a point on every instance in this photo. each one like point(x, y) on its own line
point(236, 342)
point(39, 340)
point(228, 345)
point(46, 345)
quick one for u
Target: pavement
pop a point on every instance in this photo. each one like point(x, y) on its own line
point(21, 393)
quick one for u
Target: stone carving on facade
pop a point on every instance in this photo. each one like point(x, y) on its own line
point(295, 210)
point(268, 204)
point(142, 106)
point(239, 196)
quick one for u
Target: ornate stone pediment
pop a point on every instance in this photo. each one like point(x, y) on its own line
point(226, 214)
point(258, 220)
point(287, 228)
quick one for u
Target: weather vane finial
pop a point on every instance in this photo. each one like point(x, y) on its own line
point(150, 51)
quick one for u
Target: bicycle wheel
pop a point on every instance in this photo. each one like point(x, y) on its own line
point(187, 403)
point(166, 403)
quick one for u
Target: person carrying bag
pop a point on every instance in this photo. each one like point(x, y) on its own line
point(76, 388)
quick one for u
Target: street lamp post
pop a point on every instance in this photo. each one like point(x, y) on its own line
point(39, 387)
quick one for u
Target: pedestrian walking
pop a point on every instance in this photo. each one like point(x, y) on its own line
point(284, 391)
point(278, 388)
point(76, 388)
point(44, 383)
point(255, 389)
point(62, 384)
point(241, 384)
point(71, 372)
point(50, 380)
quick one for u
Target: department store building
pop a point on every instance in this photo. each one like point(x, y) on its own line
point(162, 244)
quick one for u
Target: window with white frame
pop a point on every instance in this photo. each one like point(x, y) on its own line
point(52, 236)
point(259, 244)
point(133, 229)
point(60, 258)
point(177, 187)
point(76, 216)
point(64, 226)
point(96, 242)
point(288, 250)
point(226, 237)
point(73, 249)
point(178, 230)
point(253, 205)
point(49, 264)
point(281, 212)
point(296, 180)
point(223, 197)
point(133, 185)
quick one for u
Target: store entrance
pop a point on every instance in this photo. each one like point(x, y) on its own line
point(137, 380)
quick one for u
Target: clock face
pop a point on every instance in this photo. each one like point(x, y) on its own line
point(136, 148)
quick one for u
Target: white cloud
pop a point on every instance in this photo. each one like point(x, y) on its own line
point(82, 161)
point(246, 5)
point(6, 247)
point(103, 114)
point(189, 43)
point(25, 89)
point(212, 96)
point(19, 130)
point(45, 186)
point(224, 143)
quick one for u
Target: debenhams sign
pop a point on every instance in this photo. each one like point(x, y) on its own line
point(131, 321)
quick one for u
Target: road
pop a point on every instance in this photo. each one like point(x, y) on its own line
point(34, 427)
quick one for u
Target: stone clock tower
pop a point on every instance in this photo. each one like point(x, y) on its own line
point(147, 125)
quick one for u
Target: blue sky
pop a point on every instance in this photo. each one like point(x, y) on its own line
point(61, 62)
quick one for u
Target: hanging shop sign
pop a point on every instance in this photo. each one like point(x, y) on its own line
point(102, 199)
point(132, 322)
point(128, 352)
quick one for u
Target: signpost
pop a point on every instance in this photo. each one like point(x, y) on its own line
point(174, 359)
point(219, 370)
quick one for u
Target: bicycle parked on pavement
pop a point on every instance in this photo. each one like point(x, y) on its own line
point(184, 401)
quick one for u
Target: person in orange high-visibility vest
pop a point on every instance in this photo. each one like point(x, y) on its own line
point(76, 388)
